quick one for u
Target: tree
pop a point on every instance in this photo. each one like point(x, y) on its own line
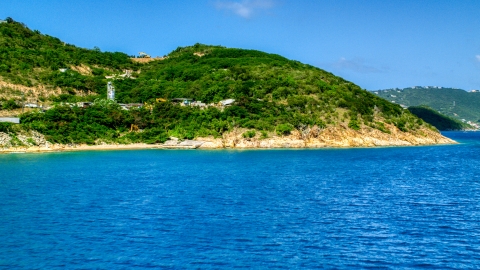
point(10, 105)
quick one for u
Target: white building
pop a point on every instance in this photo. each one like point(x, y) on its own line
point(110, 91)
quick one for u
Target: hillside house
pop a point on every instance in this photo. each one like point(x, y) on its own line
point(198, 104)
point(84, 104)
point(182, 101)
point(31, 105)
point(227, 102)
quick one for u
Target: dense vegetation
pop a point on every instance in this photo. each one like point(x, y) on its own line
point(455, 103)
point(30, 58)
point(440, 121)
point(273, 95)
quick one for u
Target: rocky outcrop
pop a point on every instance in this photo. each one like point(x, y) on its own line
point(187, 144)
point(339, 136)
point(315, 137)
point(31, 141)
point(26, 139)
point(5, 140)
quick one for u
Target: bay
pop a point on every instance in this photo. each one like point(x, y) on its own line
point(396, 207)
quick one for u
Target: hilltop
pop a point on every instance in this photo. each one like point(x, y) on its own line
point(230, 98)
point(455, 103)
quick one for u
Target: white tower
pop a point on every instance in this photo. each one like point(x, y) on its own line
point(110, 91)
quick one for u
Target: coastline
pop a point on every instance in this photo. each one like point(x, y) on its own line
point(314, 139)
point(80, 147)
point(141, 146)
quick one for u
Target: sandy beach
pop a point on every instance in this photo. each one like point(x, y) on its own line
point(80, 147)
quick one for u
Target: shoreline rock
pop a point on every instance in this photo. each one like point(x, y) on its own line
point(340, 137)
point(332, 137)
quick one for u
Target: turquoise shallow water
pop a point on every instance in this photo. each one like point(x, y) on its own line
point(400, 207)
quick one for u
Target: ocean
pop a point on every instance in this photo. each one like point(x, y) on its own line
point(394, 207)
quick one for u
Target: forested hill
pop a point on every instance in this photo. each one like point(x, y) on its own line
point(440, 121)
point(30, 58)
point(456, 103)
point(273, 95)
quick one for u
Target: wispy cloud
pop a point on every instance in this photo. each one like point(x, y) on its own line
point(357, 65)
point(244, 8)
point(477, 57)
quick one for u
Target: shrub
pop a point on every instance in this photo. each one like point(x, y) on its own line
point(401, 124)
point(381, 126)
point(31, 141)
point(10, 105)
point(249, 134)
point(353, 124)
point(284, 129)
point(5, 127)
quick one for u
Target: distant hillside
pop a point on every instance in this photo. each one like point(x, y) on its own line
point(440, 121)
point(269, 96)
point(456, 103)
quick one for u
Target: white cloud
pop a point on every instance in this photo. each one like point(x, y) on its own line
point(477, 57)
point(244, 8)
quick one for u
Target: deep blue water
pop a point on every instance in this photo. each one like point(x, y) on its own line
point(399, 207)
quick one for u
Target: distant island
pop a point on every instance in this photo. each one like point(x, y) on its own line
point(455, 103)
point(199, 96)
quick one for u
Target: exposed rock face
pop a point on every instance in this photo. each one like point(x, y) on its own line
point(175, 143)
point(339, 136)
point(82, 69)
point(32, 94)
point(5, 140)
point(23, 140)
point(33, 138)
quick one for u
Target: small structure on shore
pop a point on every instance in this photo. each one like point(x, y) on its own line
point(15, 120)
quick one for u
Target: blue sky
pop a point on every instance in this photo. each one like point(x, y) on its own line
point(375, 44)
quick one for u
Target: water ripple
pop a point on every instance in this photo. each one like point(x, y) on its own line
point(384, 208)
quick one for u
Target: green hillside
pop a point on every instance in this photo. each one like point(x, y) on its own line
point(456, 103)
point(30, 58)
point(440, 121)
point(273, 95)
